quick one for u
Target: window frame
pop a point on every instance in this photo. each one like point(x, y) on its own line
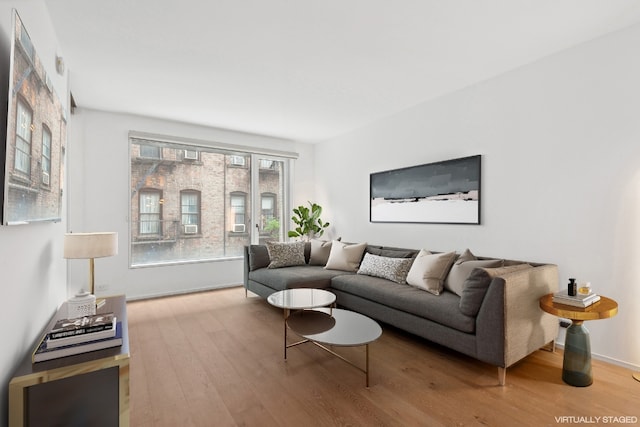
point(146, 172)
point(158, 232)
point(196, 214)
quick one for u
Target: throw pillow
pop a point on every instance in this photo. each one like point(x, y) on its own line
point(461, 269)
point(394, 269)
point(320, 250)
point(476, 285)
point(429, 271)
point(285, 254)
point(345, 257)
point(258, 257)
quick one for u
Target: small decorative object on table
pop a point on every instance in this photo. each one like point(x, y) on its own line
point(584, 298)
point(83, 304)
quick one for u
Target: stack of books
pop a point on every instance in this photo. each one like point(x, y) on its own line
point(578, 300)
point(80, 335)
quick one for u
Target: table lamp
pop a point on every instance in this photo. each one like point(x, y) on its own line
point(90, 246)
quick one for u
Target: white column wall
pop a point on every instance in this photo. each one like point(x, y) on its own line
point(33, 271)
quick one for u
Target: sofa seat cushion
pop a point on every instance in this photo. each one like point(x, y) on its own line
point(443, 308)
point(303, 276)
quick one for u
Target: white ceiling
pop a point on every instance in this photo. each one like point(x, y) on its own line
point(306, 70)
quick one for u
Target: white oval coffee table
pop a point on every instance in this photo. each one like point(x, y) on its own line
point(299, 299)
point(336, 327)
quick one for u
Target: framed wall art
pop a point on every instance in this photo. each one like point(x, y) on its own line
point(445, 192)
point(35, 138)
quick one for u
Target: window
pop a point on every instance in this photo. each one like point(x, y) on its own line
point(190, 209)
point(181, 213)
point(238, 204)
point(268, 205)
point(150, 212)
point(266, 164)
point(46, 155)
point(150, 151)
point(190, 155)
point(22, 160)
point(25, 42)
point(237, 160)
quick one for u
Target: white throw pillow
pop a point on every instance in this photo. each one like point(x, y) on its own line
point(429, 271)
point(345, 257)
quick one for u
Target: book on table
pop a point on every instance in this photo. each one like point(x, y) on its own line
point(82, 338)
point(82, 325)
point(578, 300)
point(43, 352)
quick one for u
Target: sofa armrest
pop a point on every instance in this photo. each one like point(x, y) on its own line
point(520, 324)
point(245, 275)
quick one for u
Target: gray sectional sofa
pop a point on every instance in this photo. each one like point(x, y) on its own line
point(495, 318)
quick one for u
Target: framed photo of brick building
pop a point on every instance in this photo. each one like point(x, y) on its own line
point(35, 139)
point(443, 192)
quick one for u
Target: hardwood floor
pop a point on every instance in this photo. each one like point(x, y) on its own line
point(215, 359)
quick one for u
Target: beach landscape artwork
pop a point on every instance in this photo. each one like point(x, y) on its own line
point(442, 192)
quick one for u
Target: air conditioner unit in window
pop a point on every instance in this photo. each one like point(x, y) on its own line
point(239, 228)
point(190, 155)
point(45, 178)
point(190, 229)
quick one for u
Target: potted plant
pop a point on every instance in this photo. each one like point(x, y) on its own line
point(308, 222)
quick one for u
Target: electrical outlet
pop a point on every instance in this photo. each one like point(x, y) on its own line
point(102, 288)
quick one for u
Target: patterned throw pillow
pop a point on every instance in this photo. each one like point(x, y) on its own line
point(394, 269)
point(285, 254)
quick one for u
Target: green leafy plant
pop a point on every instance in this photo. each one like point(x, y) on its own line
point(308, 222)
point(272, 226)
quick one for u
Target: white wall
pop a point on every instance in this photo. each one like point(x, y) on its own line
point(560, 140)
point(33, 270)
point(99, 196)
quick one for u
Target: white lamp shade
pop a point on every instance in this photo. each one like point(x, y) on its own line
point(90, 245)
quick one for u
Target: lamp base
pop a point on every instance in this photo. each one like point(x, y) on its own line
point(83, 304)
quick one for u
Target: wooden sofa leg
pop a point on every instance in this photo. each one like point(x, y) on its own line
point(550, 346)
point(502, 375)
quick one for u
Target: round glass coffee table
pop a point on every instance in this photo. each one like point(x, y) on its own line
point(336, 327)
point(299, 299)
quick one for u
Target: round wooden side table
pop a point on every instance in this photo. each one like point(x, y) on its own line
point(576, 365)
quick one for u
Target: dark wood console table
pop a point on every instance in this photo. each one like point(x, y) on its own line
point(85, 389)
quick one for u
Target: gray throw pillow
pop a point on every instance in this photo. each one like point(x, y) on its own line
point(394, 269)
point(258, 257)
point(320, 250)
point(285, 254)
point(476, 285)
point(462, 269)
